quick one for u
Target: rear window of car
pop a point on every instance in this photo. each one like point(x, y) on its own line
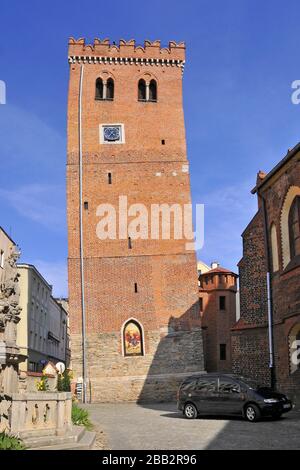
point(205, 385)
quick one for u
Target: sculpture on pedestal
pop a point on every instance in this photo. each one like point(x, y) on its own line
point(10, 310)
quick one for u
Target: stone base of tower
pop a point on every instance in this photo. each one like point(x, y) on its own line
point(169, 358)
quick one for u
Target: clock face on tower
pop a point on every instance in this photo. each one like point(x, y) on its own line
point(111, 133)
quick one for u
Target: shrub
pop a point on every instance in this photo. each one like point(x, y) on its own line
point(80, 417)
point(8, 442)
point(43, 385)
point(64, 382)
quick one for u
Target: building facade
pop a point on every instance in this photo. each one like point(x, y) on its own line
point(136, 298)
point(217, 295)
point(42, 332)
point(270, 282)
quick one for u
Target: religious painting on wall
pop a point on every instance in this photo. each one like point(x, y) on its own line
point(133, 341)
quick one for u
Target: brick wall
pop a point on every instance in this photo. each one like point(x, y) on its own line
point(148, 172)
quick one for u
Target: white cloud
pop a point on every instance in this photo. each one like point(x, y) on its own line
point(41, 203)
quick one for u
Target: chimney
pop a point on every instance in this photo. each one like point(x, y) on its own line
point(214, 265)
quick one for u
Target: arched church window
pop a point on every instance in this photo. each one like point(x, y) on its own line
point(133, 339)
point(152, 91)
point(99, 89)
point(294, 227)
point(274, 247)
point(110, 89)
point(142, 90)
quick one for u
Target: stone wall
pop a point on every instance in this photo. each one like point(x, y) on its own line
point(168, 359)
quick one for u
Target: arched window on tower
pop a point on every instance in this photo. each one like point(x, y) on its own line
point(110, 89)
point(152, 91)
point(294, 227)
point(142, 90)
point(133, 339)
point(99, 89)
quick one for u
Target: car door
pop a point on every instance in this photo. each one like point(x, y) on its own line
point(230, 397)
point(205, 394)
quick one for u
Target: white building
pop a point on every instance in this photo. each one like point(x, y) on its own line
point(42, 331)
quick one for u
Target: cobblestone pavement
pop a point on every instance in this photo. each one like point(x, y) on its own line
point(161, 426)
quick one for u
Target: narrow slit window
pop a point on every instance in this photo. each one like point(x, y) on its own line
point(109, 178)
point(222, 352)
point(222, 302)
point(135, 287)
point(129, 243)
point(86, 205)
point(163, 142)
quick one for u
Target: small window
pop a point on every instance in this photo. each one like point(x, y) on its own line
point(222, 352)
point(1, 259)
point(201, 304)
point(163, 142)
point(135, 287)
point(109, 178)
point(110, 89)
point(142, 90)
point(99, 89)
point(152, 91)
point(222, 302)
point(206, 385)
point(86, 205)
point(129, 243)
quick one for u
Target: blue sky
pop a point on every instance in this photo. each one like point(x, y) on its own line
point(242, 56)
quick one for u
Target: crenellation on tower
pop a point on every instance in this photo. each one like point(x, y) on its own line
point(127, 52)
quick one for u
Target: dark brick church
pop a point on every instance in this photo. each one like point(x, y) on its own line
point(266, 339)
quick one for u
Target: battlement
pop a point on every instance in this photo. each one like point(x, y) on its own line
point(126, 52)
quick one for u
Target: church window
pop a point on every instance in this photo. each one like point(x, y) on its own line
point(294, 227)
point(129, 243)
point(109, 178)
point(135, 287)
point(274, 247)
point(86, 205)
point(222, 352)
point(133, 339)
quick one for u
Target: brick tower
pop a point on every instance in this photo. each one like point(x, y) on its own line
point(134, 303)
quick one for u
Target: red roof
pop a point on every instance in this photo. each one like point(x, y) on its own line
point(219, 269)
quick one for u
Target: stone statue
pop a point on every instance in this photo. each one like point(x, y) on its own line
point(9, 298)
point(10, 310)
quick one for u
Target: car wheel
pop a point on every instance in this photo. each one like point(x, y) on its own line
point(252, 413)
point(190, 411)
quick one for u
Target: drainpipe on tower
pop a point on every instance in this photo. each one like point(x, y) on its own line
point(83, 316)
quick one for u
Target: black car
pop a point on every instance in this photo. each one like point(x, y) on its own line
point(223, 394)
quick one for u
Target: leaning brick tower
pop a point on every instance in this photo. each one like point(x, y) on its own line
point(134, 312)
